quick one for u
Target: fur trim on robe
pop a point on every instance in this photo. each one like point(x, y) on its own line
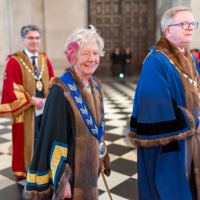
point(85, 178)
point(62, 183)
point(26, 195)
point(186, 65)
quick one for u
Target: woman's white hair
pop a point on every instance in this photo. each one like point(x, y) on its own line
point(168, 17)
point(83, 36)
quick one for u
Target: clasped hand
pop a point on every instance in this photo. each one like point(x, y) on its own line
point(38, 102)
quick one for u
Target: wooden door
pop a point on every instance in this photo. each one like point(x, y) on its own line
point(124, 23)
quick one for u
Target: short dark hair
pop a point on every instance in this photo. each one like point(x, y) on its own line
point(27, 28)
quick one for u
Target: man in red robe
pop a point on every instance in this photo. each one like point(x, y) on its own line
point(26, 84)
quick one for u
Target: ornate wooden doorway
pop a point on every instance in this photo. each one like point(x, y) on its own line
point(123, 23)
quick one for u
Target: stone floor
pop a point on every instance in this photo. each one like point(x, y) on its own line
point(119, 96)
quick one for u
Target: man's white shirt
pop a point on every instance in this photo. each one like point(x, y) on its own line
point(29, 54)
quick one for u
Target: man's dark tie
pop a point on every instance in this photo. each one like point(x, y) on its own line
point(34, 65)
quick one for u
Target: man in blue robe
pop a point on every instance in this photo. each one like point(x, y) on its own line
point(165, 117)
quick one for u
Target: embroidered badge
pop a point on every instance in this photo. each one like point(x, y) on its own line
point(79, 99)
point(90, 122)
point(84, 111)
point(95, 131)
point(73, 87)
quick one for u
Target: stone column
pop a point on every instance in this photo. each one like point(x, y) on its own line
point(13, 15)
point(60, 19)
point(195, 5)
point(57, 19)
point(5, 32)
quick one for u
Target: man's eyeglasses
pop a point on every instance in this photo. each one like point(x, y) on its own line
point(32, 38)
point(186, 25)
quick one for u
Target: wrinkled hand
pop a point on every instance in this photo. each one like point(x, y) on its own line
point(38, 102)
point(67, 193)
point(103, 166)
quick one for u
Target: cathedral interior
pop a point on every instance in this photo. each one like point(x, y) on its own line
point(133, 24)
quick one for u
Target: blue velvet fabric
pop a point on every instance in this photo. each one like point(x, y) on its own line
point(160, 175)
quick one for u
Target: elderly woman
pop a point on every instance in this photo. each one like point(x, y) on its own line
point(70, 152)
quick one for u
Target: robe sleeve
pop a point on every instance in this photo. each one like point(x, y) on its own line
point(51, 72)
point(50, 68)
point(51, 165)
point(15, 100)
point(156, 118)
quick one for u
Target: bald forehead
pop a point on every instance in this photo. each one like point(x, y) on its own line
point(183, 16)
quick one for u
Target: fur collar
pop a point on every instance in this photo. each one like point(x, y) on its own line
point(85, 144)
point(185, 65)
point(91, 99)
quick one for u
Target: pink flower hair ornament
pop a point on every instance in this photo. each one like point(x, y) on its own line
point(73, 46)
